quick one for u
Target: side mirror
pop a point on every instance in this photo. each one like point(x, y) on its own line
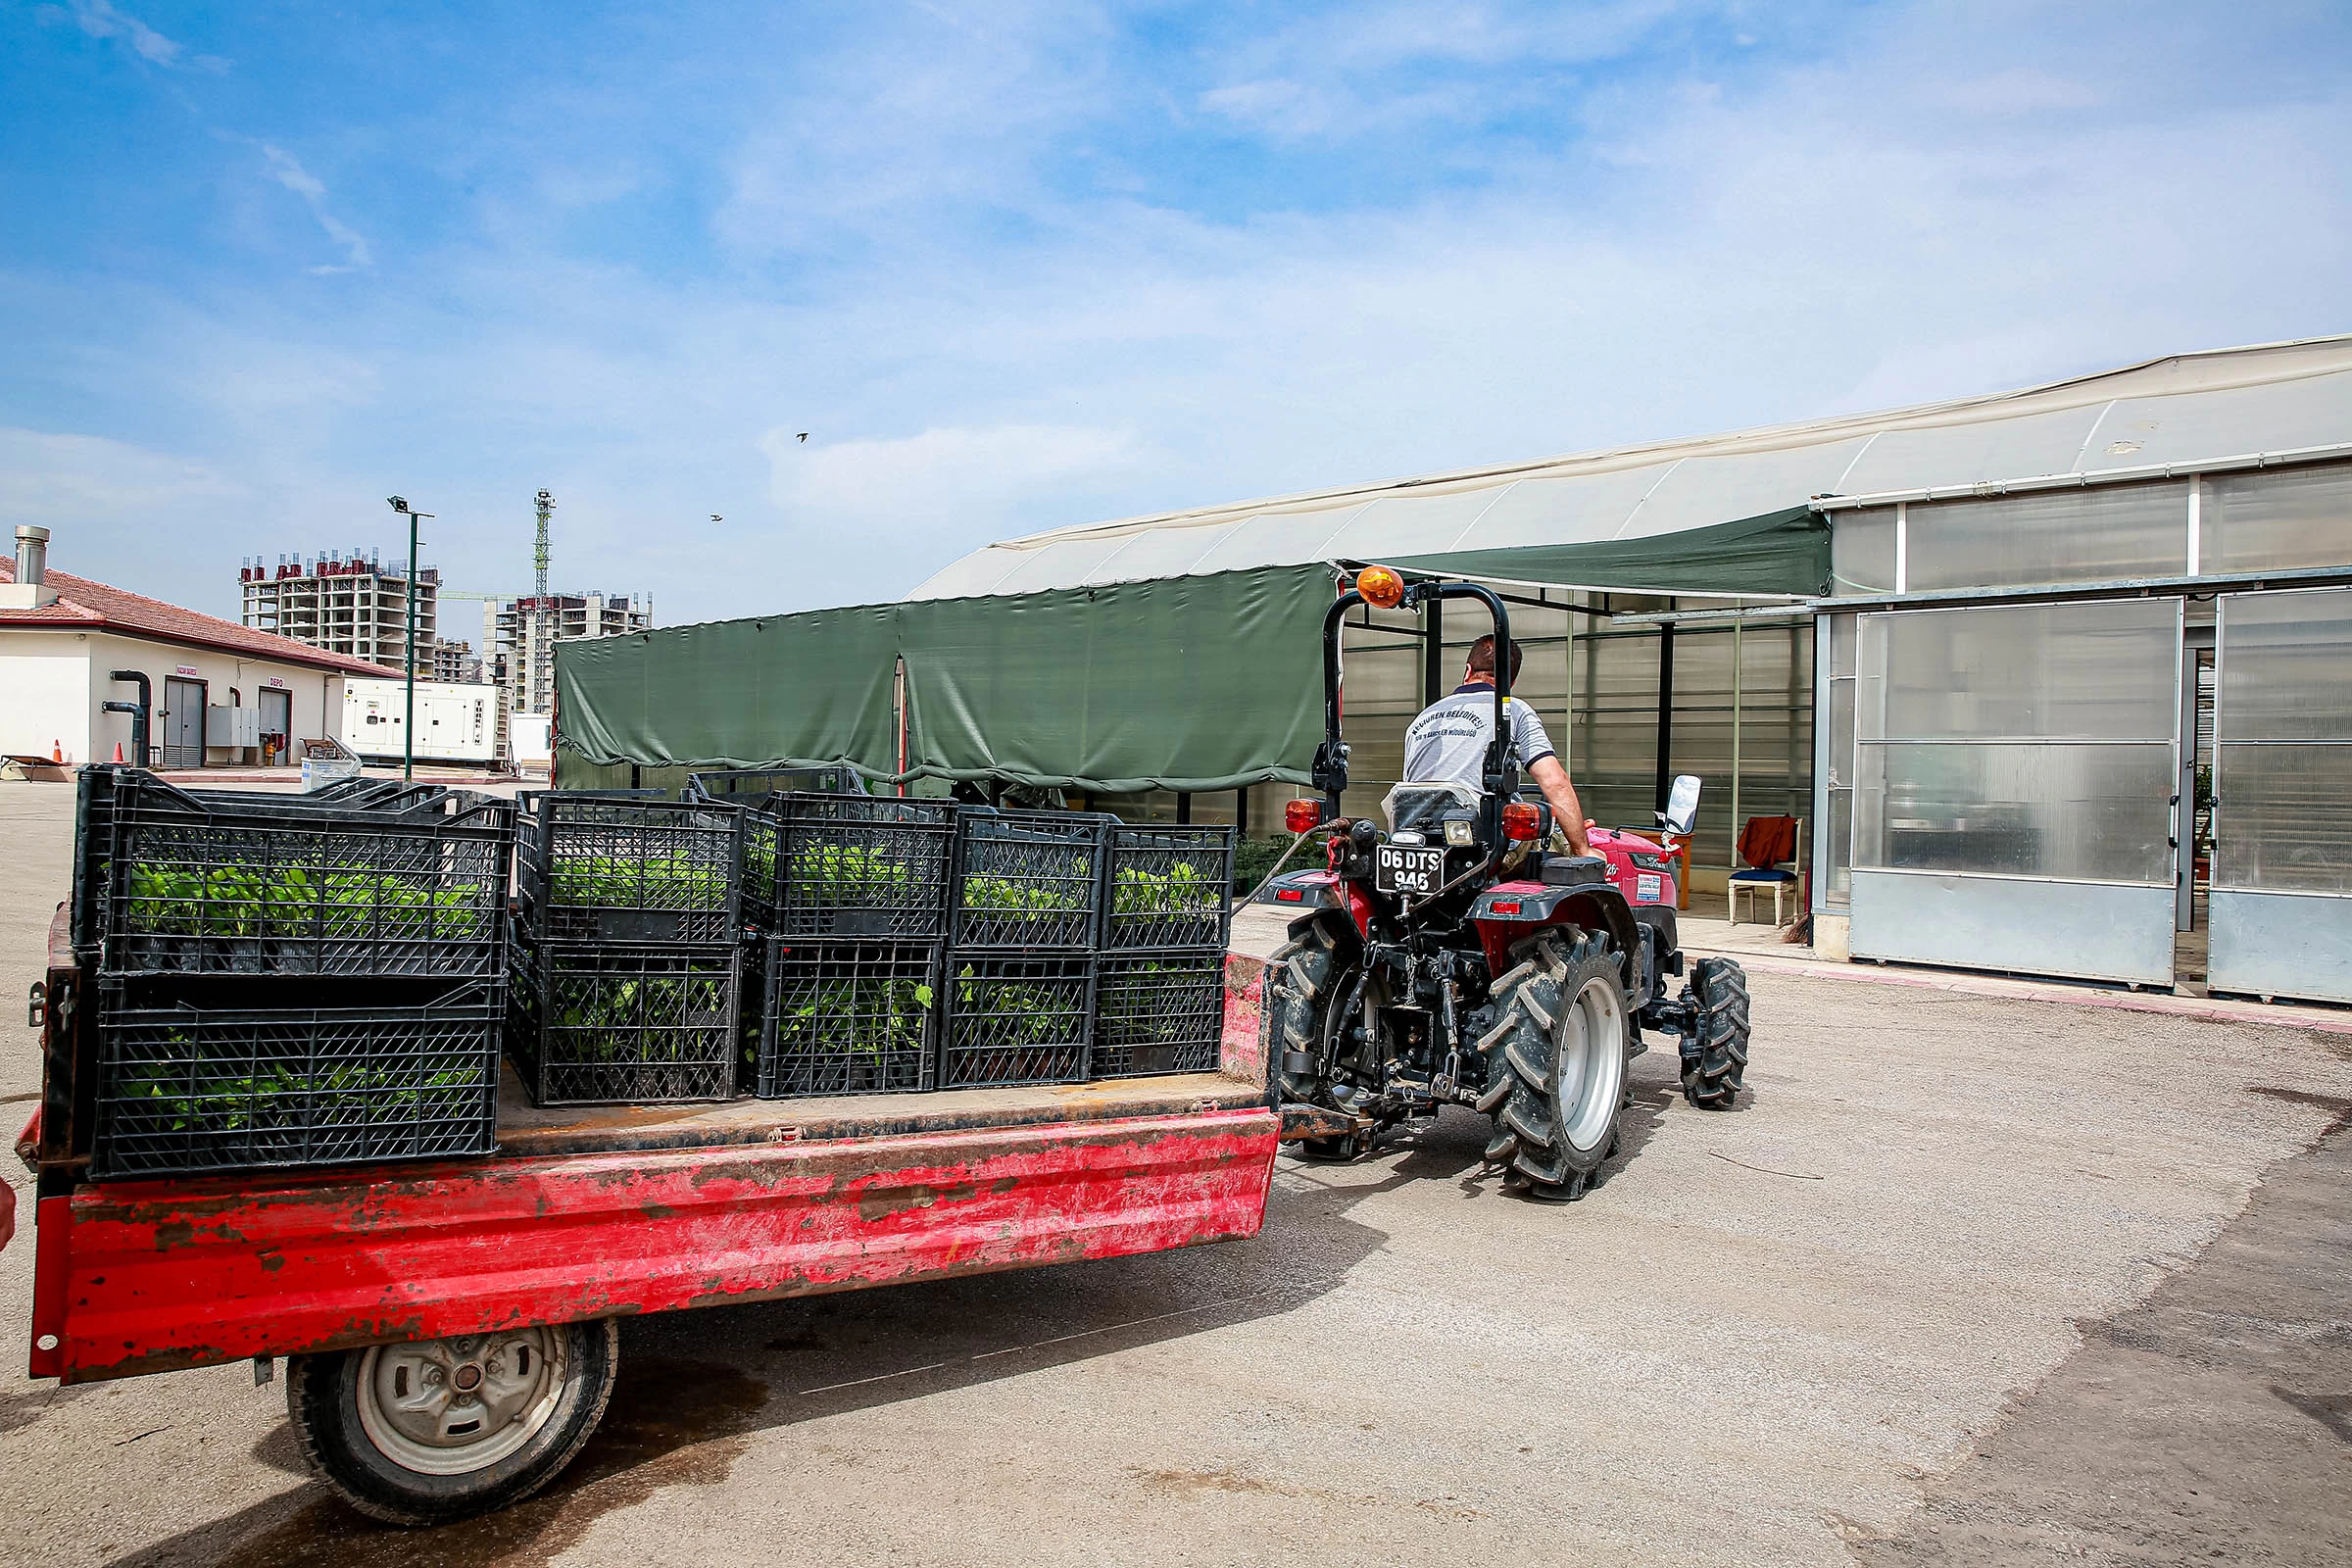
point(1682, 805)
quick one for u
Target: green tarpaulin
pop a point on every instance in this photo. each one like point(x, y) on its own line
point(1192, 683)
point(1778, 552)
point(1185, 683)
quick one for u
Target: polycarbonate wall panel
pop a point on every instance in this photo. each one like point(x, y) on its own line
point(2019, 740)
point(2283, 731)
point(1773, 707)
point(1381, 692)
point(2049, 536)
point(2276, 520)
point(2040, 808)
point(1833, 840)
point(2285, 670)
point(1862, 551)
point(2072, 671)
point(1615, 766)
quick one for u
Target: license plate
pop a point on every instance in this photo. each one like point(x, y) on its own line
point(1407, 869)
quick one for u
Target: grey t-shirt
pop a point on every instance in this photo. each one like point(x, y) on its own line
point(1448, 743)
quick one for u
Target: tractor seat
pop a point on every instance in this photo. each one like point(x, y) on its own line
point(1574, 870)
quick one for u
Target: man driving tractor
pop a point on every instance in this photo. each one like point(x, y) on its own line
point(1448, 743)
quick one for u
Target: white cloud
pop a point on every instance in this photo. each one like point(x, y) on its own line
point(288, 172)
point(100, 19)
point(909, 487)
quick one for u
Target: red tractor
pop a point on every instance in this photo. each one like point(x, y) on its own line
point(1453, 959)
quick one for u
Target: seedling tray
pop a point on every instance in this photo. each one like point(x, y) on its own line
point(177, 882)
point(848, 1018)
point(1168, 887)
point(195, 1080)
point(601, 1024)
point(849, 865)
point(1026, 881)
point(1159, 1012)
point(627, 869)
point(1016, 1021)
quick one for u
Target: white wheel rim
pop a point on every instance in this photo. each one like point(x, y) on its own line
point(1591, 1057)
point(444, 1408)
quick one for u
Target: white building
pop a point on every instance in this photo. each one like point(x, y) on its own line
point(218, 694)
point(527, 630)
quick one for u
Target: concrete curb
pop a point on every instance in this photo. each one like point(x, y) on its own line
point(2326, 1021)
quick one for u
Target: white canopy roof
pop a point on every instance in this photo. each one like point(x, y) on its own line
point(2173, 413)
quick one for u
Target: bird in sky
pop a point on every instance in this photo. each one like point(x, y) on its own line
point(804, 438)
point(716, 518)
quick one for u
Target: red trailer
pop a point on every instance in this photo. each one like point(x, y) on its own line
point(450, 1327)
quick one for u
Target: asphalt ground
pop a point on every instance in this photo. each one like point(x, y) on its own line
point(1965, 1279)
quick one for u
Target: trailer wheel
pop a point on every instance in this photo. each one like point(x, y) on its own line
point(435, 1430)
point(1555, 1063)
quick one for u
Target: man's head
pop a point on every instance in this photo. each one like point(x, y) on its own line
point(1482, 660)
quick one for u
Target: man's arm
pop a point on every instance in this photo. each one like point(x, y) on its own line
point(1552, 779)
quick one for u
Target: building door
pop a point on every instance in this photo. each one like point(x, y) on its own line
point(2015, 787)
point(277, 721)
point(2281, 898)
point(183, 723)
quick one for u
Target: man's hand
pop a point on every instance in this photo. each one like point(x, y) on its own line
point(7, 1213)
point(1552, 779)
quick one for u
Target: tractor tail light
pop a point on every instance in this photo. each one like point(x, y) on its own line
point(1507, 906)
point(1289, 895)
point(1520, 821)
point(1302, 817)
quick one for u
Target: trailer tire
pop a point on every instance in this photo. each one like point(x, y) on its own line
point(1715, 1055)
point(376, 1426)
point(1557, 1063)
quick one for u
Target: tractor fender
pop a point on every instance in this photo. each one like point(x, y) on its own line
point(1596, 907)
point(1309, 892)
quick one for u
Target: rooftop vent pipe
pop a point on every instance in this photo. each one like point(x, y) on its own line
point(32, 554)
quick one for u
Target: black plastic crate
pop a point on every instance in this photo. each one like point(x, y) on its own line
point(1168, 887)
point(1016, 1021)
point(1159, 1012)
point(849, 865)
point(627, 867)
point(1028, 880)
point(609, 1023)
point(180, 882)
point(848, 1018)
point(748, 786)
point(193, 1079)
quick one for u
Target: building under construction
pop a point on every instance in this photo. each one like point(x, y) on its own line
point(342, 604)
point(524, 633)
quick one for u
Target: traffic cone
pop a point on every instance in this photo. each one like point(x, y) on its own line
point(117, 751)
point(57, 753)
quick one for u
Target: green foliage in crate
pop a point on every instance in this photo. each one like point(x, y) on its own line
point(1020, 1012)
point(659, 1017)
point(1182, 889)
point(1021, 896)
point(234, 1092)
point(1133, 1002)
point(289, 901)
point(855, 1017)
point(657, 882)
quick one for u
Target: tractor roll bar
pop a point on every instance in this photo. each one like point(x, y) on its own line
point(1331, 760)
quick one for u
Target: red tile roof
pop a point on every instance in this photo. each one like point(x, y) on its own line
point(84, 606)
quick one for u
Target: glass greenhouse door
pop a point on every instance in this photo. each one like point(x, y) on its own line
point(2282, 900)
point(2015, 787)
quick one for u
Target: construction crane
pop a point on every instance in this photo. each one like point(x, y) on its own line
point(547, 505)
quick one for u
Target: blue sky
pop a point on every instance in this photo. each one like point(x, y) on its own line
point(1017, 265)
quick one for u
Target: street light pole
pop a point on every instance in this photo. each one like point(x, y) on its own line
point(407, 727)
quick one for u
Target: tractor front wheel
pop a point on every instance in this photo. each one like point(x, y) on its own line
point(1557, 1063)
point(1715, 1054)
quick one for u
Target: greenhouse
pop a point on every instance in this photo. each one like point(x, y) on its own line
point(2048, 628)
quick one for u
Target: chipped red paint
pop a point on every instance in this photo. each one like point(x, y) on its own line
point(146, 1277)
point(1243, 1052)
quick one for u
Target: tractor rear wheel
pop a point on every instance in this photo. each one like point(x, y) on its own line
point(1303, 981)
point(1557, 1063)
point(1715, 1056)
